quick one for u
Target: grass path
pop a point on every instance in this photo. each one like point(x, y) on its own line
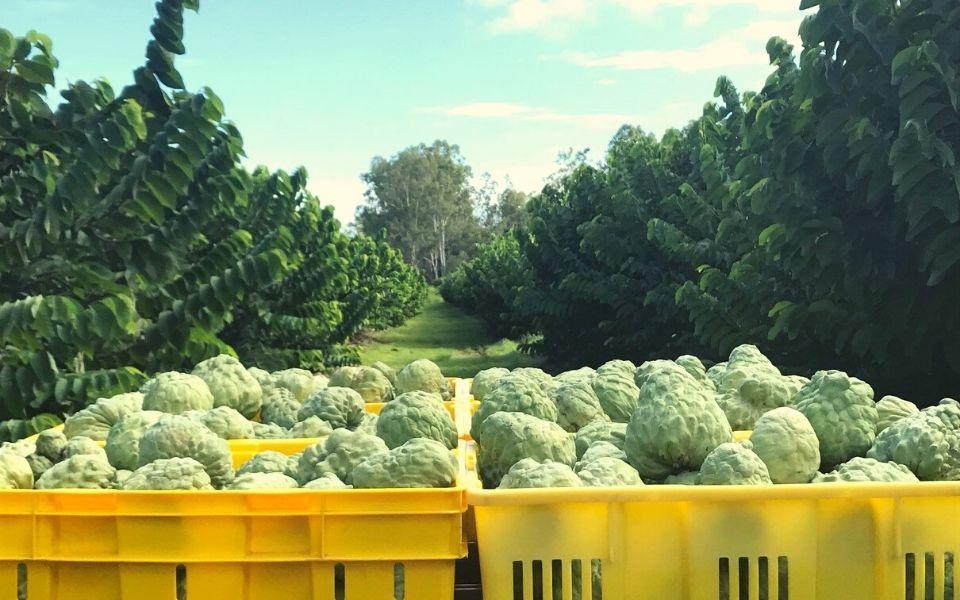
point(448, 337)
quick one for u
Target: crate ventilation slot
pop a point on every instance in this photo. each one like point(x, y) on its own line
point(734, 579)
point(21, 581)
point(180, 581)
point(928, 576)
point(548, 579)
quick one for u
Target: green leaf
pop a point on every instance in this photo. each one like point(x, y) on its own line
point(35, 72)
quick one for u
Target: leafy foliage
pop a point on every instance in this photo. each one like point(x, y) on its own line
point(420, 199)
point(130, 236)
point(819, 214)
point(486, 284)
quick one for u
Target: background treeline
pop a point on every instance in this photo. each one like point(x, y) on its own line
point(818, 217)
point(132, 240)
point(424, 202)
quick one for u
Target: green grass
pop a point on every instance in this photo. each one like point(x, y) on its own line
point(447, 336)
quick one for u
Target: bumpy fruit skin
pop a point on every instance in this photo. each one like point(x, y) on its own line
point(299, 382)
point(269, 461)
point(758, 393)
point(269, 431)
point(485, 381)
point(607, 471)
point(715, 374)
point(651, 367)
point(387, 371)
point(861, 469)
point(368, 424)
point(416, 415)
point(685, 478)
point(84, 471)
point(168, 474)
point(15, 472)
point(693, 365)
point(617, 394)
point(50, 443)
point(338, 406)
point(175, 393)
point(22, 447)
point(279, 406)
point(327, 481)
point(264, 378)
point(786, 442)
point(425, 376)
point(177, 436)
point(339, 454)
point(600, 431)
point(538, 376)
point(891, 409)
point(514, 393)
point(624, 367)
point(575, 375)
point(508, 437)
point(262, 481)
point(39, 464)
point(227, 423)
point(733, 464)
point(370, 383)
point(123, 442)
point(842, 412)
point(418, 463)
point(311, 427)
point(119, 476)
point(528, 473)
point(96, 420)
point(577, 404)
point(231, 384)
point(82, 445)
point(745, 361)
point(751, 385)
point(676, 424)
point(927, 443)
point(600, 450)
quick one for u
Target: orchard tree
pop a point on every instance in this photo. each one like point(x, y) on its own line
point(421, 199)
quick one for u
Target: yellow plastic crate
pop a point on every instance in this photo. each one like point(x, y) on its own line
point(857, 541)
point(290, 544)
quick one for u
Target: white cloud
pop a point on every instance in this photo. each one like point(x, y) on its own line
point(524, 15)
point(554, 17)
point(741, 47)
point(606, 81)
point(522, 112)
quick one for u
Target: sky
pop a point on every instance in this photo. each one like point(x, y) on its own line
point(329, 84)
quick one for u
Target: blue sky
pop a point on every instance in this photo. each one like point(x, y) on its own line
point(329, 84)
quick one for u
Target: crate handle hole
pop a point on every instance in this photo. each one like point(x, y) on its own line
point(339, 582)
point(399, 591)
point(22, 581)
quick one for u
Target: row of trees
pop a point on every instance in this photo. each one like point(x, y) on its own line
point(817, 217)
point(132, 240)
point(423, 202)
